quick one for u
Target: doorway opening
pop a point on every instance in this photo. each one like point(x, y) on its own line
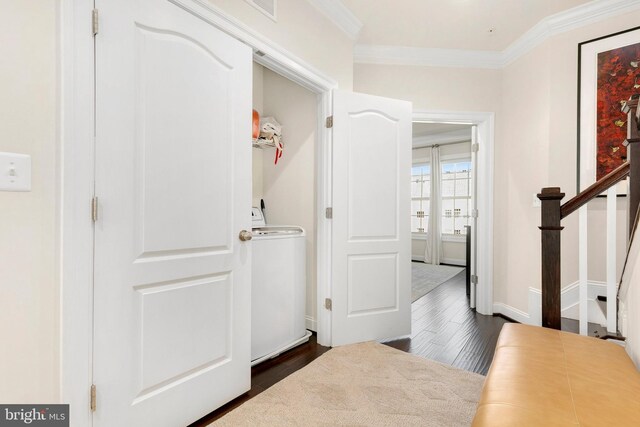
point(442, 182)
point(284, 200)
point(480, 207)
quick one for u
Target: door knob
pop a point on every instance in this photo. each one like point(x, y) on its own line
point(245, 235)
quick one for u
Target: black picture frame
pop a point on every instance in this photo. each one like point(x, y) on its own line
point(586, 101)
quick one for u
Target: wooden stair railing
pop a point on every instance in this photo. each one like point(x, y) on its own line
point(553, 212)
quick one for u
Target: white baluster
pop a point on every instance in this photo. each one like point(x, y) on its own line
point(583, 269)
point(611, 259)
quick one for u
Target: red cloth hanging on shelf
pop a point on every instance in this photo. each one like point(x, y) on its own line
point(256, 124)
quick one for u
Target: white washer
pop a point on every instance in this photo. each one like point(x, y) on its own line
point(278, 289)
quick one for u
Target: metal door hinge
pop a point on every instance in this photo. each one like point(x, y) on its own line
point(327, 304)
point(330, 122)
point(93, 397)
point(475, 147)
point(94, 21)
point(474, 279)
point(474, 213)
point(328, 213)
point(94, 209)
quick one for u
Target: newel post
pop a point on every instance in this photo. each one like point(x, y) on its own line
point(551, 228)
point(633, 157)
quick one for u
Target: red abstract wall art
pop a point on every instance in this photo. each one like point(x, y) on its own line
point(618, 77)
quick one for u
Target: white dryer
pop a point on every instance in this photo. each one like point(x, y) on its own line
point(278, 288)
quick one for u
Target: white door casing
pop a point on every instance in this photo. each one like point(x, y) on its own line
point(474, 221)
point(371, 275)
point(172, 279)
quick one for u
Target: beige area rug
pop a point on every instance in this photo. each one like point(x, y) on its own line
point(427, 277)
point(366, 384)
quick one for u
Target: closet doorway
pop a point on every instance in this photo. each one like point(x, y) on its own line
point(442, 206)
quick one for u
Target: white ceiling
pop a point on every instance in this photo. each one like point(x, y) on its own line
point(451, 24)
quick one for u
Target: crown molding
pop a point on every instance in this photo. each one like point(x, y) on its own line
point(426, 57)
point(568, 20)
point(580, 16)
point(340, 15)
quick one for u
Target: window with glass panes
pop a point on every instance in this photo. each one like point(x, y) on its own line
point(456, 196)
point(420, 191)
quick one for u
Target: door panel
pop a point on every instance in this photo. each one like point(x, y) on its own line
point(172, 280)
point(372, 192)
point(371, 280)
point(373, 284)
point(167, 332)
point(163, 58)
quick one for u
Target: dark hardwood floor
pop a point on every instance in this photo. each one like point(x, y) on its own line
point(444, 328)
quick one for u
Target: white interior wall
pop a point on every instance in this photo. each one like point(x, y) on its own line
point(629, 300)
point(631, 321)
point(302, 30)
point(534, 100)
point(629, 308)
point(257, 153)
point(28, 239)
point(289, 188)
point(521, 170)
point(432, 88)
point(453, 252)
point(597, 238)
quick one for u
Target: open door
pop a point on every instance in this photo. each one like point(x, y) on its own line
point(371, 275)
point(172, 278)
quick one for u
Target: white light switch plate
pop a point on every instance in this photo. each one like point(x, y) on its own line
point(536, 202)
point(15, 172)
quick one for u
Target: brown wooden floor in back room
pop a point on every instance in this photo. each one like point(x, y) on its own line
point(444, 328)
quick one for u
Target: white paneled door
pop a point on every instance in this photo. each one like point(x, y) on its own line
point(371, 275)
point(172, 279)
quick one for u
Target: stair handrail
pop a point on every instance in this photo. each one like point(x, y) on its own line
point(552, 213)
point(595, 189)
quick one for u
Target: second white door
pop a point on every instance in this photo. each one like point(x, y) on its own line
point(371, 260)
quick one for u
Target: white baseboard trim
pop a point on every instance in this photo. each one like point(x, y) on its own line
point(570, 304)
point(311, 323)
point(511, 313)
point(454, 261)
point(451, 261)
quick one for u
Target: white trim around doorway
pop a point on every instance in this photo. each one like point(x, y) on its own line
point(76, 135)
point(485, 123)
point(76, 104)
